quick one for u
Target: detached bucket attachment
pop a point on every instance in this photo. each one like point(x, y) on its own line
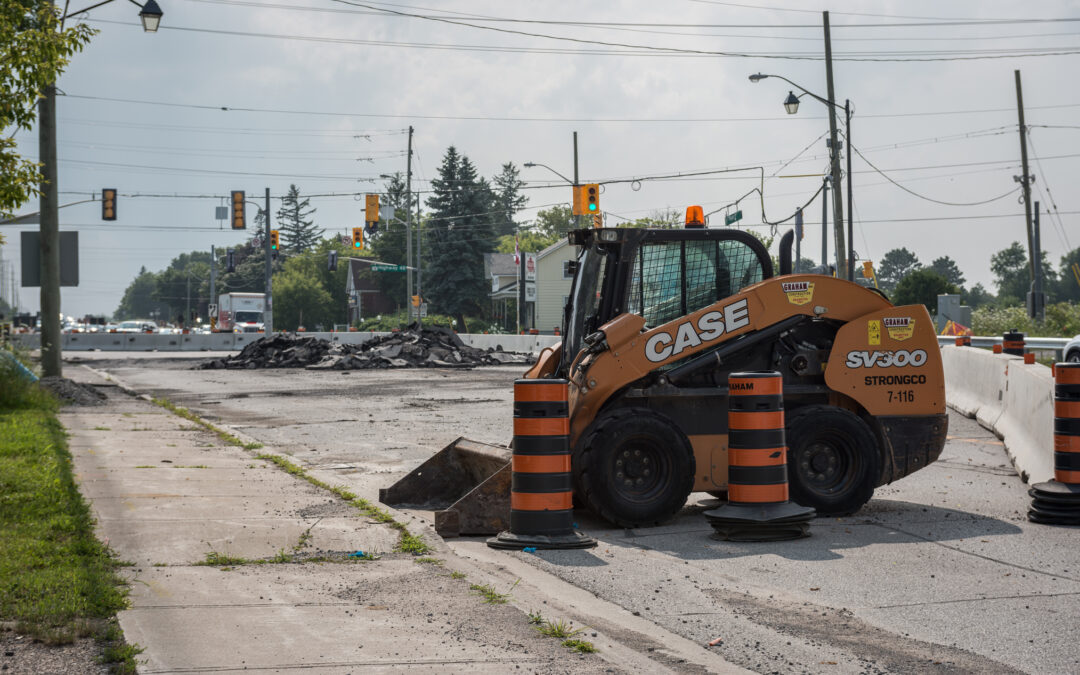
point(466, 483)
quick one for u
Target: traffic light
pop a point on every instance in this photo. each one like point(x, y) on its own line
point(230, 261)
point(331, 262)
point(592, 198)
point(238, 210)
point(371, 209)
point(597, 220)
point(108, 204)
point(273, 240)
point(358, 237)
point(868, 269)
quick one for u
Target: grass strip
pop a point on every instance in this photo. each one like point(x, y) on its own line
point(225, 436)
point(407, 542)
point(57, 581)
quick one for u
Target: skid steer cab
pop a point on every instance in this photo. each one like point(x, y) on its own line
point(658, 319)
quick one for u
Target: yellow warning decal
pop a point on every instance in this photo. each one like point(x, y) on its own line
point(900, 327)
point(873, 332)
point(799, 292)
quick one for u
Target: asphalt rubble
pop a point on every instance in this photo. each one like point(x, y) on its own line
point(415, 347)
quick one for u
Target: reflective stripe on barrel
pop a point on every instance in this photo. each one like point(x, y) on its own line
point(1013, 343)
point(1067, 423)
point(757, 456)
point(541, 498)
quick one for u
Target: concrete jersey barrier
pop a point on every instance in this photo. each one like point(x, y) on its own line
point(1013, 399)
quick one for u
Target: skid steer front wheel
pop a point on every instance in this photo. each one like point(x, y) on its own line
point(634, 468)
point(833, 460)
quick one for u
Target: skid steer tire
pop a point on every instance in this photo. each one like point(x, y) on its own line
point(635, 468)
point(833, 460)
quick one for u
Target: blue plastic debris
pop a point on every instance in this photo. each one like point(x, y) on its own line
point(358, 554)
point(529, 549)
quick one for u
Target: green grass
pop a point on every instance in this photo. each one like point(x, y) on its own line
point(215, 559)
point(557, 629)
point(428, 560)
point(121, 656)
point(536, 618)
point(580, 646)
point(56, 579)
point(457, 575)
point(225, 436)
point(490, 595)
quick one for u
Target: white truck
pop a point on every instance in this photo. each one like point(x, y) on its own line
point(241, 312)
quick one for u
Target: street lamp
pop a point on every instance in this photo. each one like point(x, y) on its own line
point(49, 228)
point(529, 165)
point(791, 105)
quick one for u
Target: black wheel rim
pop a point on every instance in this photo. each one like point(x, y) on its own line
point(826, 464)
point(641, 469)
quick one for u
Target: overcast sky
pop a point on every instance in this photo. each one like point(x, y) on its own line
point(244, 95)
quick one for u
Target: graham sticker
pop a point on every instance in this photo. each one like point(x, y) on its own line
point(799, 292)
point(873, 332)
point(899, 327)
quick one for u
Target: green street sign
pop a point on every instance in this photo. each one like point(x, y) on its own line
point(733, 217)
point(389, 268)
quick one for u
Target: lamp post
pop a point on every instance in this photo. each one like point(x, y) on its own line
point(49, 228)
point(791, 105)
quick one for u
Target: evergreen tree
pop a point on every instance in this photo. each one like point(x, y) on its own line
point(922, 286)
point(298, 231)
point(895, 265)
point(508, 199)
point(459, 231)
point(947, 267)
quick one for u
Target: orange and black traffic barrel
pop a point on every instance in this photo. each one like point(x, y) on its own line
point(1057, 502)
point(963, 340)
point(541, 494)
point(758, 508)
point(1013, 343)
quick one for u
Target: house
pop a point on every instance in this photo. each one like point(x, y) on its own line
point(366, 299)
point(545, 298)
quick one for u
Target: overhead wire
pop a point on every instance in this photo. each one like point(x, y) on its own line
point(1053, 203)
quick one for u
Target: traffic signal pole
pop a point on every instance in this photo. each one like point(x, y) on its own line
point(268, 311)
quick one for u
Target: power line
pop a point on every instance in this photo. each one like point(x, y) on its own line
point(923, 197)
point(1061, 226)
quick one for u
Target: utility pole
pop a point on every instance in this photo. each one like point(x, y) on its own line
point(51, 341)
point(213, 274)
point(268, 313)
point(1036, 300)
point(838, 197)
point(825, 223)
point(187, 311)
point(798, 239)
point(850, 205)
point(408, 231)
point(1025, 178)
point(419, 263)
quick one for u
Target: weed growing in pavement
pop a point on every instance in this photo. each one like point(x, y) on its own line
point(558, 629)
point(146, 466)
point(215, 559)
point(427, 560)
point(121, 656)
point(407, 542)
point(219, 432)
point(490, 595)
point(457, 575)
point(535, 618)
point(99, 428)
point(580, 646)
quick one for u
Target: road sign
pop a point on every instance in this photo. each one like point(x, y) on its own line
point(389, 268)
point(423, 310)
point(530, 291)
point(212, 310)
point(732, 217)
point(530, 267)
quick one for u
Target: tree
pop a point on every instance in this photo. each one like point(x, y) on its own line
point(298, 231)
point(895, 265)
point(922, 286)
point(659, 219)
point(553, 223)
point(300, 300)
point(946, 267)
point(1010, 268)
point(1067, 288)
point(33, 53)
point(508, 199)
point(313, 265)
point(458, 233)
point(528, 241)
point(138, 301)
point(180, 280)
point(977, 296)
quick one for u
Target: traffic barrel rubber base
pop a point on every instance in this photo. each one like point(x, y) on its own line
point(511, 541)
point(761, 522)
point(1054, 503)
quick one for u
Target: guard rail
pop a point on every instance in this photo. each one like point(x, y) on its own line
point(1047, 344)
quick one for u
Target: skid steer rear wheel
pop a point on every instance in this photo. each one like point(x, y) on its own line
point(634, 468)
point(833, 460)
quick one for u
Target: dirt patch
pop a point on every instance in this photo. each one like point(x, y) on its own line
point(877, 650)
point(20, 654)
point(73, 393)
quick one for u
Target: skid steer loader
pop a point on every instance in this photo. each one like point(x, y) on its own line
point(656, 321)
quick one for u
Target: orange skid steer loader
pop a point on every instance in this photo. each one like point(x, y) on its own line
point(656, 321)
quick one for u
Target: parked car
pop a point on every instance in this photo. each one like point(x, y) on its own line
point(137, 326)
point(1072, 350)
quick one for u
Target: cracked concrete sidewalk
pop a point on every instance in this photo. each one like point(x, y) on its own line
point(166, 493)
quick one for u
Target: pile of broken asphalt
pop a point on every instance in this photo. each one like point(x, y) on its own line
point(414, 347)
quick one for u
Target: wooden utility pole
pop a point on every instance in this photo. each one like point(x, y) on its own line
point(408, 234)
point(51, 340)
point(838, 196)
point(1025, 178)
